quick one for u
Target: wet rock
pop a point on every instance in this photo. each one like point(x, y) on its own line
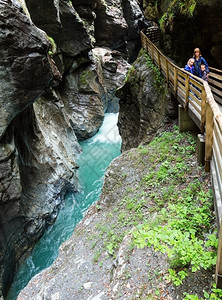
point(143, 105)
point(46, 150)
point(117, 26)
point(47, 153)
point(24, 47)
point(111, 69)
point(26, 73)
point(87, 13)
point(10, 188)
point(88, 92)
point(82, 102)
point(60, 21)
point(135, 22)
point(110, 25)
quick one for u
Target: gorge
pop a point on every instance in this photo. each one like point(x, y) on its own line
point(97, 153)
point(39, 138)
point(62, 62)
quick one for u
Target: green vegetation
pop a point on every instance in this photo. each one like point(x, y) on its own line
point(86, 77)
point(179, 209)
point(185, 7)
point(158, 77)
point(83, 78)
point(52, 49)
point(179, 233)
point(69, 2)
point(216, 294)
point(129, 73)
point(188, 7)
point(184, 215)
point(137, 76)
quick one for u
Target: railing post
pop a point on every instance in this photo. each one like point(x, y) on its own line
point(219, 261)
point(175, 80)
point(147, 50)
point(158, 59)
point(141, 37)
point(203, 109)
point(186, 92)
point(167, 71)
point(209, 137)
point(152, 53)
point(200, 149)
point(143, 43)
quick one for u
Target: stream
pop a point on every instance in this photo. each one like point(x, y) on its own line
point(96, 156)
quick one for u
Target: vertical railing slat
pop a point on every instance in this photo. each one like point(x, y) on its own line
point(186, 92)
point(167, 71)
point(158, 59)
point(208, 137)
point(219, 260)
point(152, 53)
point(175, 80)
point(203, 110)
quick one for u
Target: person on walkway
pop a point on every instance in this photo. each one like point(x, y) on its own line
point(204, 74)
point(190, 66)
point(198, 60)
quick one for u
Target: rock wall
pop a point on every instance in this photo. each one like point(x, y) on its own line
point(24, 51)
point(145, 104)
point(76, 27)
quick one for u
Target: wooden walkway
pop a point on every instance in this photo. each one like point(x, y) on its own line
point(197, 97)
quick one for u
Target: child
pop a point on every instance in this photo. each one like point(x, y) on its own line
point(204, 73)
point(190, 66)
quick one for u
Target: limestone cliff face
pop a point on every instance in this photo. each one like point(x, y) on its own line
point(186, 25)
point(144, 104)
point(23, 47)
point(48, 103)
point(77, 27)
point(26, 73)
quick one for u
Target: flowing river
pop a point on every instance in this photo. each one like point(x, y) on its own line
point(97, 154)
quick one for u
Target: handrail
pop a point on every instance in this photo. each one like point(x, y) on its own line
point(198, 99)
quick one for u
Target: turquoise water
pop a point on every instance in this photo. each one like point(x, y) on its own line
point(97, 154)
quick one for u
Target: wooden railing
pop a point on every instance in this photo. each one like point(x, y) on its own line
point(198, 99)
point(215, 83)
